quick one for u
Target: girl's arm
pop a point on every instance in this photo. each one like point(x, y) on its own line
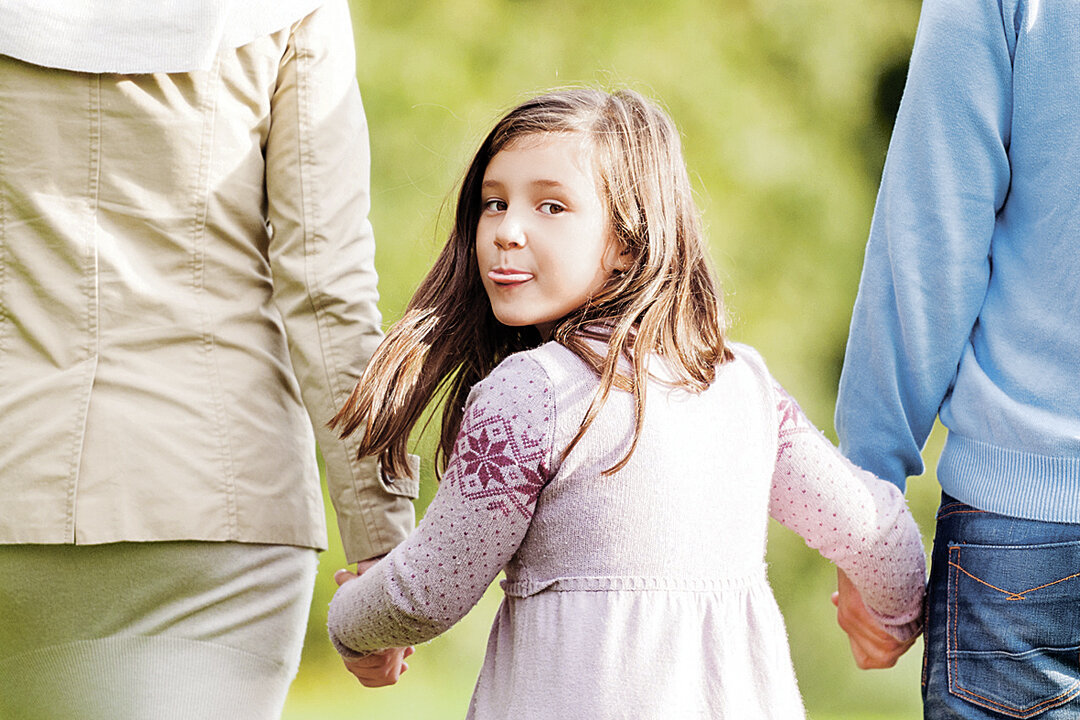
point(471, 529)
point(853, 518)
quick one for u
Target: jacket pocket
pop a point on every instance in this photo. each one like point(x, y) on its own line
point(1014, 627)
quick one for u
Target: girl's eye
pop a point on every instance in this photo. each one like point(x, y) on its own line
point(494, 205)
point(552, 208)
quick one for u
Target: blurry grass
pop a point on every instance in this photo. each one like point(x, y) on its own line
point(784, 128)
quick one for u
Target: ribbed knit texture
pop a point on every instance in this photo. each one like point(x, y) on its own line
point(641, 593)
point(136, 677)
point(141, 631)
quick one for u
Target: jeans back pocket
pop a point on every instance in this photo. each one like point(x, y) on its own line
point(1014, 626)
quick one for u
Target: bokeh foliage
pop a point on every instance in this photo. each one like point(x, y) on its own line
point(785, 108)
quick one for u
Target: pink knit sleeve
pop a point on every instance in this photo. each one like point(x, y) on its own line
point(472, 527)
point(853, 518)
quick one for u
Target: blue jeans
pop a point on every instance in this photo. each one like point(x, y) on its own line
point(1003, 618)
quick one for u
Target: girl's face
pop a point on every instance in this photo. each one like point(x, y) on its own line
point(543, 242)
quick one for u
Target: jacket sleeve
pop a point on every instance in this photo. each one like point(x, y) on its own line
point(322, 254)
point(927, 262)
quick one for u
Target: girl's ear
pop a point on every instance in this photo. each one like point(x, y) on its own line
point(619, 257)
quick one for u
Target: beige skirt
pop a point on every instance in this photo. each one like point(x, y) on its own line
point(157, 630)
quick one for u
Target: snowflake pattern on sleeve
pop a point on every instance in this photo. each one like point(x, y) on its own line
point(792, 420)
point(852, 517)
point(499, 465)
point(471, 529)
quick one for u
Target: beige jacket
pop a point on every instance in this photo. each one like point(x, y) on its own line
point(186, 290)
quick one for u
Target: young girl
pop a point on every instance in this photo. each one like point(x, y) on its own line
point(603, 444)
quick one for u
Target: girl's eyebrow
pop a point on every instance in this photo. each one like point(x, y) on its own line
point(546, 183)
point(541, 183)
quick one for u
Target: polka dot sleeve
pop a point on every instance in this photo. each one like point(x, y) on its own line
point(851, 517)
point(473, 526)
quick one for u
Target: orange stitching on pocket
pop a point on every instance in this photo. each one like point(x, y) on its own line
point(1012, 595)
point(946, 513)
point(950, 645)
point(1016, 712)
point(953, 663)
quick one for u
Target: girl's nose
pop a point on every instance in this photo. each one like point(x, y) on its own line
point(510, 234)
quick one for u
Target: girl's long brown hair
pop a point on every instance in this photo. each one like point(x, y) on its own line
point(666, 301)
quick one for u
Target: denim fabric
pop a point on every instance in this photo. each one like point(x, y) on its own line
point(1003, 620)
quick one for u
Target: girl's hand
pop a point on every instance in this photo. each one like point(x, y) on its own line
point(871, 645)
point(378, 669)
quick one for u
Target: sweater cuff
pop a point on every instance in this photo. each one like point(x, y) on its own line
point(902, 628)
point(905, 632)
point(345, 651)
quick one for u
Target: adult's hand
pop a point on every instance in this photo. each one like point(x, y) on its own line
point(378, 669)
point(871, 646)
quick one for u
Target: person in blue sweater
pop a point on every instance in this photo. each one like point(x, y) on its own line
point(969, 311)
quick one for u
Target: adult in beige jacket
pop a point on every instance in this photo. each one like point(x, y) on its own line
point(187, 294)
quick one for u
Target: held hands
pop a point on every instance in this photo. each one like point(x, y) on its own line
point(871, 645)
point(378, 669)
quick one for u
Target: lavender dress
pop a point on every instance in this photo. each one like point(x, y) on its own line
point(641, 593)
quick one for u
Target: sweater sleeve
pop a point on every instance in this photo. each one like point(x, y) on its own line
point(853, 518)
point(927, 264)
point(472, 528)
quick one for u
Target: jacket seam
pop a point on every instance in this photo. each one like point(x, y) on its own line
point(91, 289)
point(5, 319)
point(201, 199)
point(309, 219)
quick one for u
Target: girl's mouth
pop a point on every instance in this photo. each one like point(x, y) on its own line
point(507, 276)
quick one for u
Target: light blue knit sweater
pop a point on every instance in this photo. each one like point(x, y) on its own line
point(969, 303)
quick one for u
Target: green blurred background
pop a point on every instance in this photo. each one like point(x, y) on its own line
point(785, 107)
